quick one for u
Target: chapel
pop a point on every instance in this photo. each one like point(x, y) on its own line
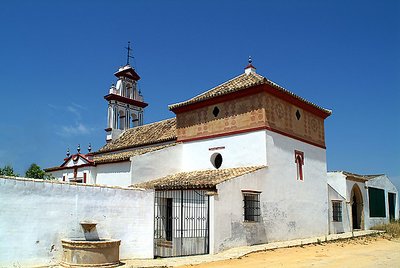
point(248, 153)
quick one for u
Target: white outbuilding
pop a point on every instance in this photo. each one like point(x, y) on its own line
point(358, 202)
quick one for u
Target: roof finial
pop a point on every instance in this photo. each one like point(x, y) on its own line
point(250, 68)
point(79, 149)
point(68, 153)
point(129, 53)
point(90, 148)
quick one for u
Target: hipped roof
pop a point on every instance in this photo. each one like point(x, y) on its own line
point(239, 83)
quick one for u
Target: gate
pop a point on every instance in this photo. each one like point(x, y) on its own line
point(181, 223)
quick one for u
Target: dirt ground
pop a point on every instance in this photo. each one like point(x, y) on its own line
point(360, 252)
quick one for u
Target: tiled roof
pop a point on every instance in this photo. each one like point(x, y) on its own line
point(153, 133)
point(238, 83)
point(123, 156)
point(358, 176)
point(197, 179)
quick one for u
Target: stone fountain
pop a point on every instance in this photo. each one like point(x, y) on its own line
point(91, 251)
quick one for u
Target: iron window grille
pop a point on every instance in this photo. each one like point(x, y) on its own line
point(337, 211)
point(251, 207)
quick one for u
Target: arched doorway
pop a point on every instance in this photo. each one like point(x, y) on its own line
point(357, 211)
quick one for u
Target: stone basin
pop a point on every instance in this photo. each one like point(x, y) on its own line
point(83, 253)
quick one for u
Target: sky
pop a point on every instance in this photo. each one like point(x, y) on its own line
point(57, 60)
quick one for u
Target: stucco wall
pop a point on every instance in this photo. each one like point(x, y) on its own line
point(156, 164)
point(247, 149)
point(290, 208)
point(337, 227)
point(117, 174)
point(36, 215)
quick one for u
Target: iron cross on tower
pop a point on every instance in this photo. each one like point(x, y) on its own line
point(129, 53)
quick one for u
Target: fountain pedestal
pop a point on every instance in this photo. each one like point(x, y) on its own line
point(82, 253)
point(91, 251)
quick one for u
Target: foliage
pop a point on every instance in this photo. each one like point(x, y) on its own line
point(35, 172)
point(8, 171)
point(392, 229)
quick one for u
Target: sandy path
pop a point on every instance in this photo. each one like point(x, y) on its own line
point(361, 252)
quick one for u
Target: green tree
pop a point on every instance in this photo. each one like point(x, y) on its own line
point(35, 172)
point(8, 171)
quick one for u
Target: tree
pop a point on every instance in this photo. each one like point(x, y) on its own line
point(8, 171)
point(35, 172)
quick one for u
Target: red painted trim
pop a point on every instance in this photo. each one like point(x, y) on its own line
point(64, 168)
point(250, 91)
point(125, 100)
point(251, 130)
point(130, 73)
point(84, 177)
point(250, 66)
point(76, 155)
point(108, 129)
point(299, 160)
point(299, 153)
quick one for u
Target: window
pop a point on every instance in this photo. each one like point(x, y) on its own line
point(337, 211)
point(251, 202)
point(299, 160)
point(376, 202)
point(216, 160)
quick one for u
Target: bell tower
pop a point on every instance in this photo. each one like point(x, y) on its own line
point(125, 102)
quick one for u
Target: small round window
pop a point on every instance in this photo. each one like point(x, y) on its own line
point(216, 160)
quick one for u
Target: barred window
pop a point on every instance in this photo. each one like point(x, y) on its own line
point(337, 211)
point(251, 206)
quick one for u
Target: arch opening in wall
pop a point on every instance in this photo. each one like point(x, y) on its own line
point(216, 160)
point(135, 120)
point(357, 208)
point(121, 120)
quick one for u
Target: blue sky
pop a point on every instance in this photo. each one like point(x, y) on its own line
point(57, 60)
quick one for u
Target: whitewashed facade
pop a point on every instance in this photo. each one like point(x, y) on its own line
point(352, 192)
point(251, 151)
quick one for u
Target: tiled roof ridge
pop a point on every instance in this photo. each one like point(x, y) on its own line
point(347, 173)
point(262, 80)
point(198, 178)
point(105, 148)
point(111, 157)
point(179, 104)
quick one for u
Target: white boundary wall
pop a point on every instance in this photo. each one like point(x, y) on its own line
point(35, 215)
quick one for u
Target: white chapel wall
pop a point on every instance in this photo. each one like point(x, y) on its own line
point(290, 209)
point(237, 151)
point(115, 174)
point(156, 164)
point(35, 215)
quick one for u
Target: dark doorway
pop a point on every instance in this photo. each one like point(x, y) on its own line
point(392, 206)
point(356, 208)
